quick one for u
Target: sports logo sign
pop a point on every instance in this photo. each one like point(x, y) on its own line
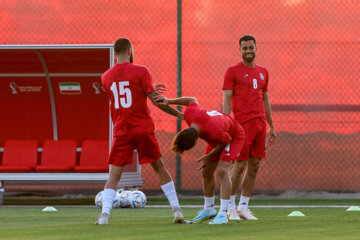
point(15, 89)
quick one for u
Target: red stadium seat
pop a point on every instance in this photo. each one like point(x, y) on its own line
point(19, 156)
point(58, 156)
point(94, 157)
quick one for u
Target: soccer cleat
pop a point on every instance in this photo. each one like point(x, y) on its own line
point(246, 214)
point(178, 217)
point(203, 216)
point(219, 219)
point(233, 215)
point(103, 219)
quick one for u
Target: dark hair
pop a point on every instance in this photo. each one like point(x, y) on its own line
point(184, 140)
point(247, 37)
point(122, 45)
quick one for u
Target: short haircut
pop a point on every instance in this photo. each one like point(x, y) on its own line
point(184, 140)
point(247, 37)
point(122, 45)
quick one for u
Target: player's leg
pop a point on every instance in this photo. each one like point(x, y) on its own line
point(257, 152)
point(168, 187)
point(238, 168)
point(209, 185)
point(223, 170)
point(250, 176)
point(109, 194)
point(149, 152)
point(247, 188)
point(236, 176)
point(236, 150)
point(121, 154)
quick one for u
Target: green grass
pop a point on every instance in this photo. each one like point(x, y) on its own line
point(262, 201)
point(156, 223)
point(183, 201)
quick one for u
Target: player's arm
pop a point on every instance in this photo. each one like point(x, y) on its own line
point(155, 99)
point(217, 150)
point(267, 107)
point(183, 101)
point(227, 95)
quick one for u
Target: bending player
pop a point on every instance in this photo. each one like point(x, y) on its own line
point(128, 86)
point(225, 138)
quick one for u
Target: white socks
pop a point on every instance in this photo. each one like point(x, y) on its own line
point(232, 202)
point(108, 199)
point(209, 203)
point(170, 193)
point(224, 205)
point(244, 202)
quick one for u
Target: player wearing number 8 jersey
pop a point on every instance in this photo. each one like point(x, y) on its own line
point(246, 87)
point(225, 138)
point(128, 86)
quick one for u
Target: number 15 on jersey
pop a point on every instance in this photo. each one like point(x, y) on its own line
point(124, 94)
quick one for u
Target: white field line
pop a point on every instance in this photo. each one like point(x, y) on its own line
point(197, 206)
point(263, 206)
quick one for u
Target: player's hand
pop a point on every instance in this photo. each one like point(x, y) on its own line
point(181, 116)
point(272, 137)
point(160, 99)
point(160, 87)
point(205, 160)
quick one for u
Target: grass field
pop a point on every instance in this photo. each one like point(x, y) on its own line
point(72, 222)
point(183, 201)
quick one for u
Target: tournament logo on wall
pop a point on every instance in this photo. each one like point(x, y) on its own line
point(70, 88)
point(97, 86)
point(13, 86)
point(15, 89)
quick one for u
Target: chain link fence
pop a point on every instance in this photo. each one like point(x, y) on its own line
point(311, 49)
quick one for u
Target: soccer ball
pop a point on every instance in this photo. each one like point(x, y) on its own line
point(137, 199)
point(99, 200)
point(124, 198)
point(116, 203)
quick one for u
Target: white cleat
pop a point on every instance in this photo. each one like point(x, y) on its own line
point(246, 214)
point(233, 215)
point(103, 219)
point(178, 217)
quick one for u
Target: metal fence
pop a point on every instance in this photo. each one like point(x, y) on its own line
point(310, 48)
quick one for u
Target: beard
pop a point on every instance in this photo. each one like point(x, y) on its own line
point(132, 58)
point(247, 58)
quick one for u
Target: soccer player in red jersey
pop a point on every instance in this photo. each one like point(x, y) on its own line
point(225, 138)
point(128, 86)
point(245, 89)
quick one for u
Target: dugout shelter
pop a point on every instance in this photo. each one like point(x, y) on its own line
point(55, 123)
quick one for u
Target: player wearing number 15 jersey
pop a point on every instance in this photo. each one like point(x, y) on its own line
point(225, 138)
point(128, 86)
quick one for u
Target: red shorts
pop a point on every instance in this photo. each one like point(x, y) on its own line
point(255, 139)
point(123, 147)
point(232, 151)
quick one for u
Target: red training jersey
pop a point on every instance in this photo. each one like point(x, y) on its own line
point(127, 86)
point(215, 127)
point(248, 85)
